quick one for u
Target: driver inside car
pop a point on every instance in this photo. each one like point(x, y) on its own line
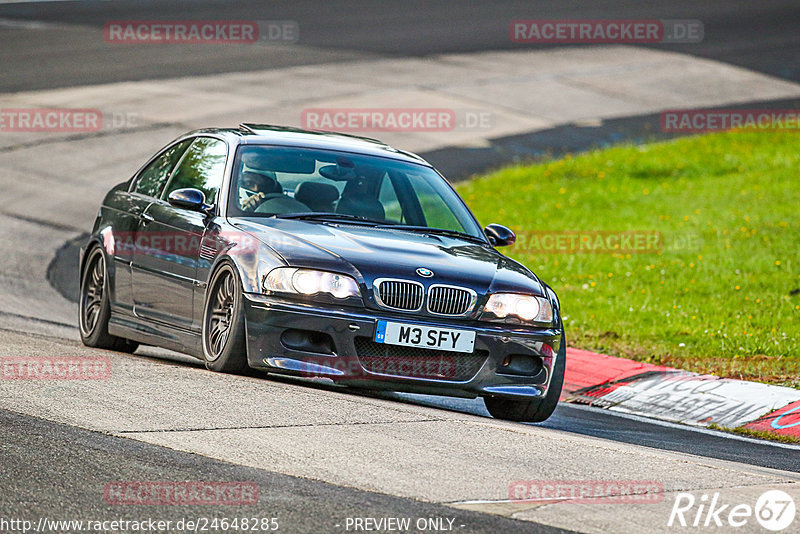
point(254, 188)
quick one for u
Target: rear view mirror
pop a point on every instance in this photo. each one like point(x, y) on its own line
point(279, 160)
point(500, 236)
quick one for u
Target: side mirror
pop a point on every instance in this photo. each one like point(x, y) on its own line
point(499, 235)
point(188, 198)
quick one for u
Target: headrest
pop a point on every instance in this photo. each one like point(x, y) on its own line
point(363, 207)
point(266, 178)
point(316, 193)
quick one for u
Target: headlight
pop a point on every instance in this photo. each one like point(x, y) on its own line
point(310, 282)
point(524, 307)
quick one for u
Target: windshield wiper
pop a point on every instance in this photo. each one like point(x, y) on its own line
point(437, 231)
point(327, 216)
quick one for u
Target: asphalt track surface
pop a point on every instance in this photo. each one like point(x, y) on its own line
point(760, 36)
point(58, 470)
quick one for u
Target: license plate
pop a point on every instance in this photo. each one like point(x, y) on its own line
point(425, 337)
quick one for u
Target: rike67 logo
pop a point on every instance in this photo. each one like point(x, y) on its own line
point(774, 510)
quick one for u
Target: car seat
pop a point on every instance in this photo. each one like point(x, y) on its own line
point(317, 196)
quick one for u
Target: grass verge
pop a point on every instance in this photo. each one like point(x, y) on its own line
point(716, 291)
point(758, 434)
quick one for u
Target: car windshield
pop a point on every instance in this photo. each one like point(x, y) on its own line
point(292, 182)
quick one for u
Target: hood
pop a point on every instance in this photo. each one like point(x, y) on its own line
point(373, 252)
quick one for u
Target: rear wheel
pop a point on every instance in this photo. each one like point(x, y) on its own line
point(534, 411)
point(224, 347)
point(95, 307)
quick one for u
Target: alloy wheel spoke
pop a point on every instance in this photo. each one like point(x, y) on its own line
point(218, 330)
point(214, 335)
point(93, 296)
point(91, 317)
point(229, 288)
point(223, 339)
point(96, 274)
point(220, 314)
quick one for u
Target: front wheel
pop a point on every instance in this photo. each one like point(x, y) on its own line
point(95, 306)
point(223, 323)
point(534, 411)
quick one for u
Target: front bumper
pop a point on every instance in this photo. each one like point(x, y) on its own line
point(318, 340)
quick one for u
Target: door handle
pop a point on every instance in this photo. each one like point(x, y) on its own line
point(146, 218)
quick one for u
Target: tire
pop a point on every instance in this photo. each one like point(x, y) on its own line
point(224, 348)
point(534, 411)
point(94, 307)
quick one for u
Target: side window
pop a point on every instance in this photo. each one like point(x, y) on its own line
point(391, 204)
point(202, 167)
point(437, 213)
point(151, 180)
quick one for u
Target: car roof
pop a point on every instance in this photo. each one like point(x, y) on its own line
point(268, 134)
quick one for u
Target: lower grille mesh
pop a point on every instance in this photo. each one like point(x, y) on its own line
point(395, 360)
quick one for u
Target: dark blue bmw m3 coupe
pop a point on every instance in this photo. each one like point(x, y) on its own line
point(320, 255)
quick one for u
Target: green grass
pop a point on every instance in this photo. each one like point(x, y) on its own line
point(723, 294)
point(759, 434)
